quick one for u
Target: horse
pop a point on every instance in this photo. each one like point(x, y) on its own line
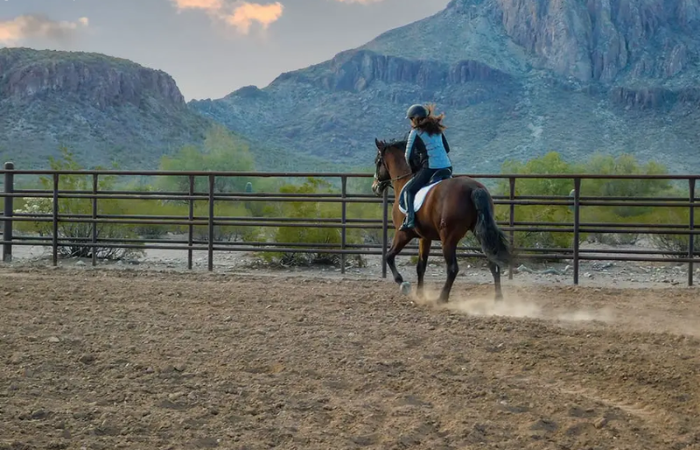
point(451, 208)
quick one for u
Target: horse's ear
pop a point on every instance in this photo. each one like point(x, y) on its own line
point(378, 143)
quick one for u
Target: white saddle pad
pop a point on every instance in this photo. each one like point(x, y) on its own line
point(420, 197)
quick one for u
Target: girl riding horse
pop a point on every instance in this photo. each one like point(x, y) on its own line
point(426, 153)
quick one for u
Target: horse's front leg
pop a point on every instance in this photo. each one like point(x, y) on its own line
point(401, 238)
point(423, 253)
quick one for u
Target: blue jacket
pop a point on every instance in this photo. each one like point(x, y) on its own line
point(429, 151)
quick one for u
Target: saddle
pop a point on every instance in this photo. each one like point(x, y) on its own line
point(439, 175)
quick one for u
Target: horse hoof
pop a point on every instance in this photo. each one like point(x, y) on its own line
point(405, 288)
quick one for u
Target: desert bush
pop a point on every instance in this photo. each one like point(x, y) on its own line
point(149, 208)
point(552, 163)
point(299, 235)
point(228, 210)
point(673, 242)
point(78, 233)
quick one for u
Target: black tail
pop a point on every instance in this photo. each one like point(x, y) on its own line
point(494, 241)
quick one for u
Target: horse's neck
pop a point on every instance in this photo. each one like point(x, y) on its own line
point(398, 186)
point(401, 171)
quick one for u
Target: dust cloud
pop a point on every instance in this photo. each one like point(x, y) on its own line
point(518, 307)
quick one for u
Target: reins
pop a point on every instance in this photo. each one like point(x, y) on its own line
point(392, 180)
point(401, 177)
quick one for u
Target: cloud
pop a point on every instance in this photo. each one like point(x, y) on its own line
point(246, 13)
point(208, 5)
point(33, 26)
point(239, 14)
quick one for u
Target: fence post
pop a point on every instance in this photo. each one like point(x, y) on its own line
point(210, 255)
point(385, 231)
point(8, 213)
point(691, 241)
point(511, 223)
point(190, 227)
point(54, 238)
point(94, 218)
point(577, 221)
point(343, 235)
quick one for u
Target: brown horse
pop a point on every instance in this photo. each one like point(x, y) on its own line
point(449, 211)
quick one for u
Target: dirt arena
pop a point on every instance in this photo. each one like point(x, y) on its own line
point(101, 359)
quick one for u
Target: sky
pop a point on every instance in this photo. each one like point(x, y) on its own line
point(210, 47)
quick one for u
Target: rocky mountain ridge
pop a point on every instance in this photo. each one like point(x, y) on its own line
point(106, 109)
point(105, 81)
point(516, 78)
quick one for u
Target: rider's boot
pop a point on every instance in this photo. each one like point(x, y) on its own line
point(410, 220)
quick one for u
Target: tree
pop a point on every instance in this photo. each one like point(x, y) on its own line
point(221, 152)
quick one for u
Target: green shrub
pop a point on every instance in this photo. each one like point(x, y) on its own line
point(79, 232)
point(227, 210)
point(299, 235)
point(673, 242)
point(552, 163)
point(149, 209)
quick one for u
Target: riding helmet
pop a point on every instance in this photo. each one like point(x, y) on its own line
point(419, 111)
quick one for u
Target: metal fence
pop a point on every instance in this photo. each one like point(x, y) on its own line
point(574, 201)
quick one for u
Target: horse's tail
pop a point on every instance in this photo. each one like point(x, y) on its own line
point(493, 240)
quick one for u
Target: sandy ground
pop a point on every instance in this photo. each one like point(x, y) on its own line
point(106, 359)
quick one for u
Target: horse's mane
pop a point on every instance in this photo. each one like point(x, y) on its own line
point(398, 142)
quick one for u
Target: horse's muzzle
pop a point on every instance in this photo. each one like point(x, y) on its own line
point(378, 187)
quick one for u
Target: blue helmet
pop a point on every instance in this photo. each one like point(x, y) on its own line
point(418, 111)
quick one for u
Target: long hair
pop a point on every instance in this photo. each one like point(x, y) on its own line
point(431, 124)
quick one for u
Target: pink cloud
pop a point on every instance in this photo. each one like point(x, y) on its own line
point(32, 26)
point(239, 14)
point(246, 13)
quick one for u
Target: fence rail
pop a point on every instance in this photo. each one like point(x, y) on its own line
point(12, 218)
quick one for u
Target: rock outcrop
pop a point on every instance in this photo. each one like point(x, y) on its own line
point(103, 81)
point(105, 109)
point(357, 70)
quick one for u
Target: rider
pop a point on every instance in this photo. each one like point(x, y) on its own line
point(426, 151)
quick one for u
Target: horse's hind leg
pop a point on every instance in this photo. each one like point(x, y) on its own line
point(423, 253)
point(401, 238)
point(449, 250)
point(496, 272)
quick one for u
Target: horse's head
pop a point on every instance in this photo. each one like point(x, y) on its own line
point(382, 179)
point(383, 163)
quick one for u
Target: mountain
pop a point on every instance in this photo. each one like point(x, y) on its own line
point(105, 109)
point(516, 79)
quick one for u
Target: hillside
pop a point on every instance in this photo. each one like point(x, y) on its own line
point(105, 109)
point(516, 78)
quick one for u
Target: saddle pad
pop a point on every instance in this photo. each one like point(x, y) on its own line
point(420, 197)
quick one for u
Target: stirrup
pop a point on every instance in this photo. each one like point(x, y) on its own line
point(405, 226)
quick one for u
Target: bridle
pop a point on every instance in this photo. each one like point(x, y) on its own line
point(383, 184)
